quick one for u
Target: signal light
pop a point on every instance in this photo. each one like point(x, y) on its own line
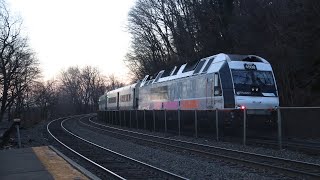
point(242, 107)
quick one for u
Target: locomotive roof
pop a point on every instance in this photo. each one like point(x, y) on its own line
point(122, 88)
point(197, 67)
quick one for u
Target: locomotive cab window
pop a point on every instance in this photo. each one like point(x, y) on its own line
point(253, 82)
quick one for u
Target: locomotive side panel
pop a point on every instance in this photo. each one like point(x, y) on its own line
point(185, 93)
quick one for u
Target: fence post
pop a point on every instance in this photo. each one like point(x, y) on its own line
point(137, 119)
point(179, 123)
point(130, 118)
point(217, 124)
point(154, 120)
point(108, 117)
point(17, 122)
point(196, 122)
point(112, 117)
point(120, 117)
point(124, 118)
point(279, 128)
point(144, 119)
point(244, 125)
point(165, 121)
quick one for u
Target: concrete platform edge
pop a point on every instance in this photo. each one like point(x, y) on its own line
point(75, 165)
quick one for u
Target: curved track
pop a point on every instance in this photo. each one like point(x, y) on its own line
point(290, 167)
point(112, 164)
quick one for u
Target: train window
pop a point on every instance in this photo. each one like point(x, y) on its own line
point(246, 77)
point(176, 71)
point(167, 72)
point(112, 100)
point(208, 65)
point(190, 66)
point(199, 66)
point(251, 59)
point(125, 98)
point(158, 76)
point(217, 85)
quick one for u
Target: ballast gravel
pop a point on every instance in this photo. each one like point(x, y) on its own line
point(186, 165)
point(284, 153)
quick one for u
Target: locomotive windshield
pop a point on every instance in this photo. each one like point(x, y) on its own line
point(257, 83)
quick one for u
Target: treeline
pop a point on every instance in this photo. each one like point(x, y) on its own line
point(76, 91)
point(286, 32)
point(23, 93)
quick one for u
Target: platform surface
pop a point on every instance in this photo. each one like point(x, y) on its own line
point(35, 163)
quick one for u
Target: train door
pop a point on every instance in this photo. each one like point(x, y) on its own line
point(209, 92)
point(118, 100)
point(217, 93)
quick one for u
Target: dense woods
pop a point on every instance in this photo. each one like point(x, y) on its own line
point(286, 33)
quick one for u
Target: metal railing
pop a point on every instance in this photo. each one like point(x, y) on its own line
point(197, 121)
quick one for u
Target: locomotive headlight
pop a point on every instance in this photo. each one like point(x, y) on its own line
point(240, 107)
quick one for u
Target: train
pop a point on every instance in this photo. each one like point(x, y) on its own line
point(222, 81)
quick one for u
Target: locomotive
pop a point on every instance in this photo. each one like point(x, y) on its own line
point(222, 81)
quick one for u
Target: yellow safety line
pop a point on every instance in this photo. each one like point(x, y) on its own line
point(56, 165)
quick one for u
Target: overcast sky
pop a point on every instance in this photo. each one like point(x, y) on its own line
point(66, 33)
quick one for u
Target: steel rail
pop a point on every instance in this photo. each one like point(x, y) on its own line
point(316, 166)
point(123, 156)
point(82, 156)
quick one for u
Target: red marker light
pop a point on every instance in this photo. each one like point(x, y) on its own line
point(243, 107)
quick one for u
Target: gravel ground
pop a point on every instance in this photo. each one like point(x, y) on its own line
point(184, 164)
point(30, 137)
point(284, 153)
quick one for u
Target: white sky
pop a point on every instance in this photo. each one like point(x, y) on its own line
point(67, 33)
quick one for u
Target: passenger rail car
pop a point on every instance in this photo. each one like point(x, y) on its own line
point(221, 81)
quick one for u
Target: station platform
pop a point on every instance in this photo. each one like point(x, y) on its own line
point(39, 163)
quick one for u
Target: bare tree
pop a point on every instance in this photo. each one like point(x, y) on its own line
point(113, 83)
point(18, 66)
point(44, 96)
point(81, 88)
point(93, 85)
point(71, 88)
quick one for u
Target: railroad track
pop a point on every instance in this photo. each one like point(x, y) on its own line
point(289, 167)
point(309, 148)
point(112, 164)
point(306, 147)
